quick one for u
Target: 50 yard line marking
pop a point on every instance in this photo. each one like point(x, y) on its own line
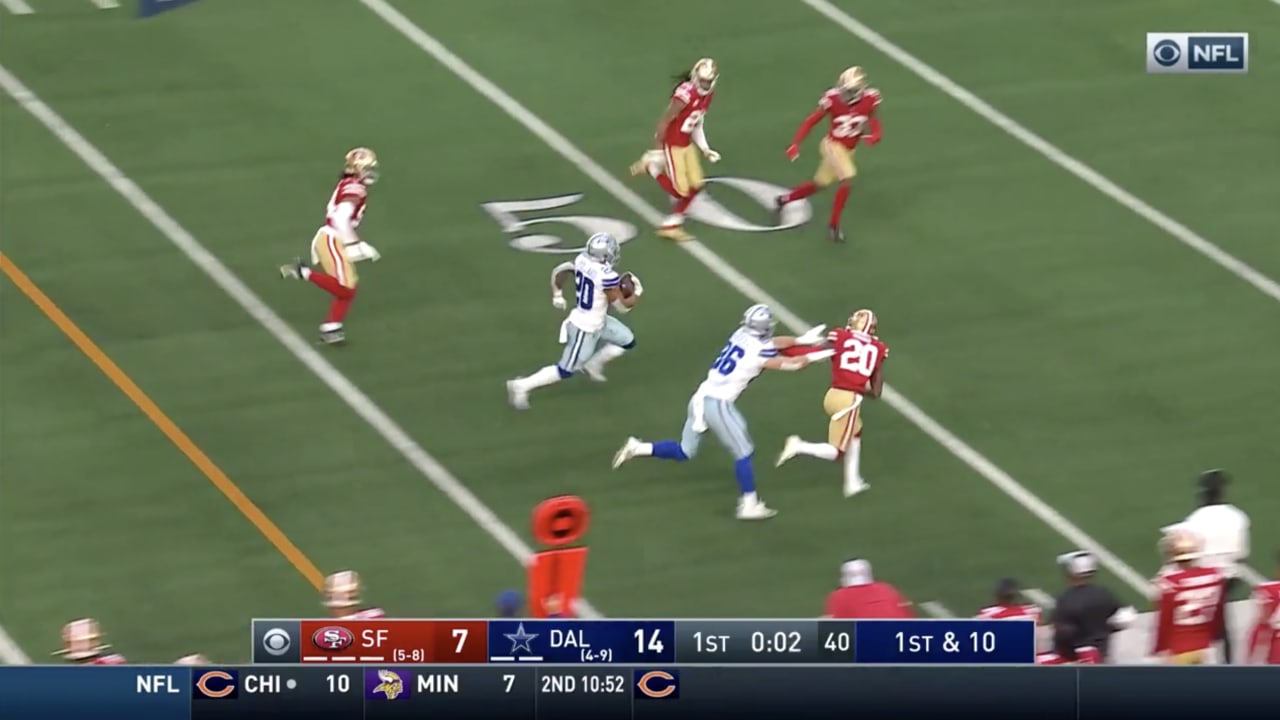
point(744, 285)
point(355, 398)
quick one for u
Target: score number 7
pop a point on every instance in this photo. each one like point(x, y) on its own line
point(460, 634)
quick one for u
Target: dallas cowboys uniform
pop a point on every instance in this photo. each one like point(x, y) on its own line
point(713, 407)
point(591, 336)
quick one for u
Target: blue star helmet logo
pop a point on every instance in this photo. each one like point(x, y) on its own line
point(520, 639)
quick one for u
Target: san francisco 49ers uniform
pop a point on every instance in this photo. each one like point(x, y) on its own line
point(683, 165)
point(1264, 645)
point(857, 357)
point(848, 121)
point(327, 247)
point(1187, 613)
point(1010, 612)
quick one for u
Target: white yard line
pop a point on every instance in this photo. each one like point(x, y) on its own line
point(17, 7)
point(936, 609)
point(1011, 127)
point(10, 653)
point(1040, 597)
point(726, 272)
point(304, 351)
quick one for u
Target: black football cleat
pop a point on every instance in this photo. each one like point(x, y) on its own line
point(835, 234)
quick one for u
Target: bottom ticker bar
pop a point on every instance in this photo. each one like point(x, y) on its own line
point(609, 692)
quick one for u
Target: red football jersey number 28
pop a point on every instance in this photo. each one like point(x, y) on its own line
point(859, 357)
point(1196, 606)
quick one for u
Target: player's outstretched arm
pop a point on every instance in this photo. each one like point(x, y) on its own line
point(674, 108)
point(815, 117)
point(787, 364)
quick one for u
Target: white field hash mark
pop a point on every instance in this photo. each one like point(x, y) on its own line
point(748, 288)
point(360, 403)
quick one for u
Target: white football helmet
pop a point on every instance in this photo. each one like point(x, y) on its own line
point(342, 589)
point(704, 75)
point(602, 247)
point(759, 320)
point(863, 321)
point(82, 639)
point(852, 82)
point(362, 163)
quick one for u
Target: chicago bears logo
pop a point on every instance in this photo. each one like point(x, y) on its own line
point(333, 639)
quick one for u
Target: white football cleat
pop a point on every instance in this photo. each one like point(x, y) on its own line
point(789, 450)
point(754, 510)
point(518, 398)
point(595, 372)
point(855, 488)
point(627, 452)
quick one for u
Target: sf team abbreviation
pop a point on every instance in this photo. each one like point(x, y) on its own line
point(644, 642)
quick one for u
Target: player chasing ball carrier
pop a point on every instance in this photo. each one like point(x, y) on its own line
point(851, 106)
point(856, 372)
point(673, 162)
point(591, 337)
point(751, 350)
point(336, 247)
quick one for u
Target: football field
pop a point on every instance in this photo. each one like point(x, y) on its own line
point(1071, 261)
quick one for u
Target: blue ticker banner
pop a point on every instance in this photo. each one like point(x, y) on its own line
point(148, 8)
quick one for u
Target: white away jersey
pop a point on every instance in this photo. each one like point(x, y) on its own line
point(741, 361)
point(591, 278)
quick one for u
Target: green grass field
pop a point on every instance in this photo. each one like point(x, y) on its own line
point(1047, 338)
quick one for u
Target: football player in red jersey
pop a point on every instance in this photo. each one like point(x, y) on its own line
point(857, 367)
point(342, 597)
point(851, 105)
point(1007, 606)
point(1187, 604)
point(861, 596)
point(1066, 652)
point(1264, 645)
point(336, 247)
point(82, 644)
point(679, 136)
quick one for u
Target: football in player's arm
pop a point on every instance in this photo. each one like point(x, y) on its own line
point(672, 161)
point(851, 106)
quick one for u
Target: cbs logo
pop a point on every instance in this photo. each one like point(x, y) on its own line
point(276, 642)
point(1167, 52)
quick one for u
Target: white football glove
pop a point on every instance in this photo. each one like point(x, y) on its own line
point(557, 301)
point(712, 156)
point(635, 280)
point(361, 251)
point(813, 336)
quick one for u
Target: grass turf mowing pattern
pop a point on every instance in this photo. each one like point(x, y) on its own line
point(1033, 259)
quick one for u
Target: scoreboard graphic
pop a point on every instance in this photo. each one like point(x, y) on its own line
point(631, 669)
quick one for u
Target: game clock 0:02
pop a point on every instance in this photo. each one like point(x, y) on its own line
point(777, 643)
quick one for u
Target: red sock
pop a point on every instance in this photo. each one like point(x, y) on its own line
point(802, 191)
point(686, 201)
point(665, 182)
point(338, 308)
point(330, 284)
point(837, 207)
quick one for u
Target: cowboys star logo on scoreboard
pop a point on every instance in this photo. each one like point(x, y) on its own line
point(521, 647)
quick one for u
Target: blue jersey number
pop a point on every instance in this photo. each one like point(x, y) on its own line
point(586, 291)
point(728, 360)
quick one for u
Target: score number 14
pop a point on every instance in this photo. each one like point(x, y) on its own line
point(652, 643)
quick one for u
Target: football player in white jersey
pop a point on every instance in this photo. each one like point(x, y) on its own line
point(751, 350)
point(591, 336)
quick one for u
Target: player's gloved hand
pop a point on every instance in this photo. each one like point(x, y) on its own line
point(374, 255)
point(813, 336)
point(557, 301)
point(712, 155)
point(793, 152)
point(635, 280)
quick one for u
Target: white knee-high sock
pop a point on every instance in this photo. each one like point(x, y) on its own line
point(852, 477)
point(548, 375)
point(825, 451)
point(606, 354)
